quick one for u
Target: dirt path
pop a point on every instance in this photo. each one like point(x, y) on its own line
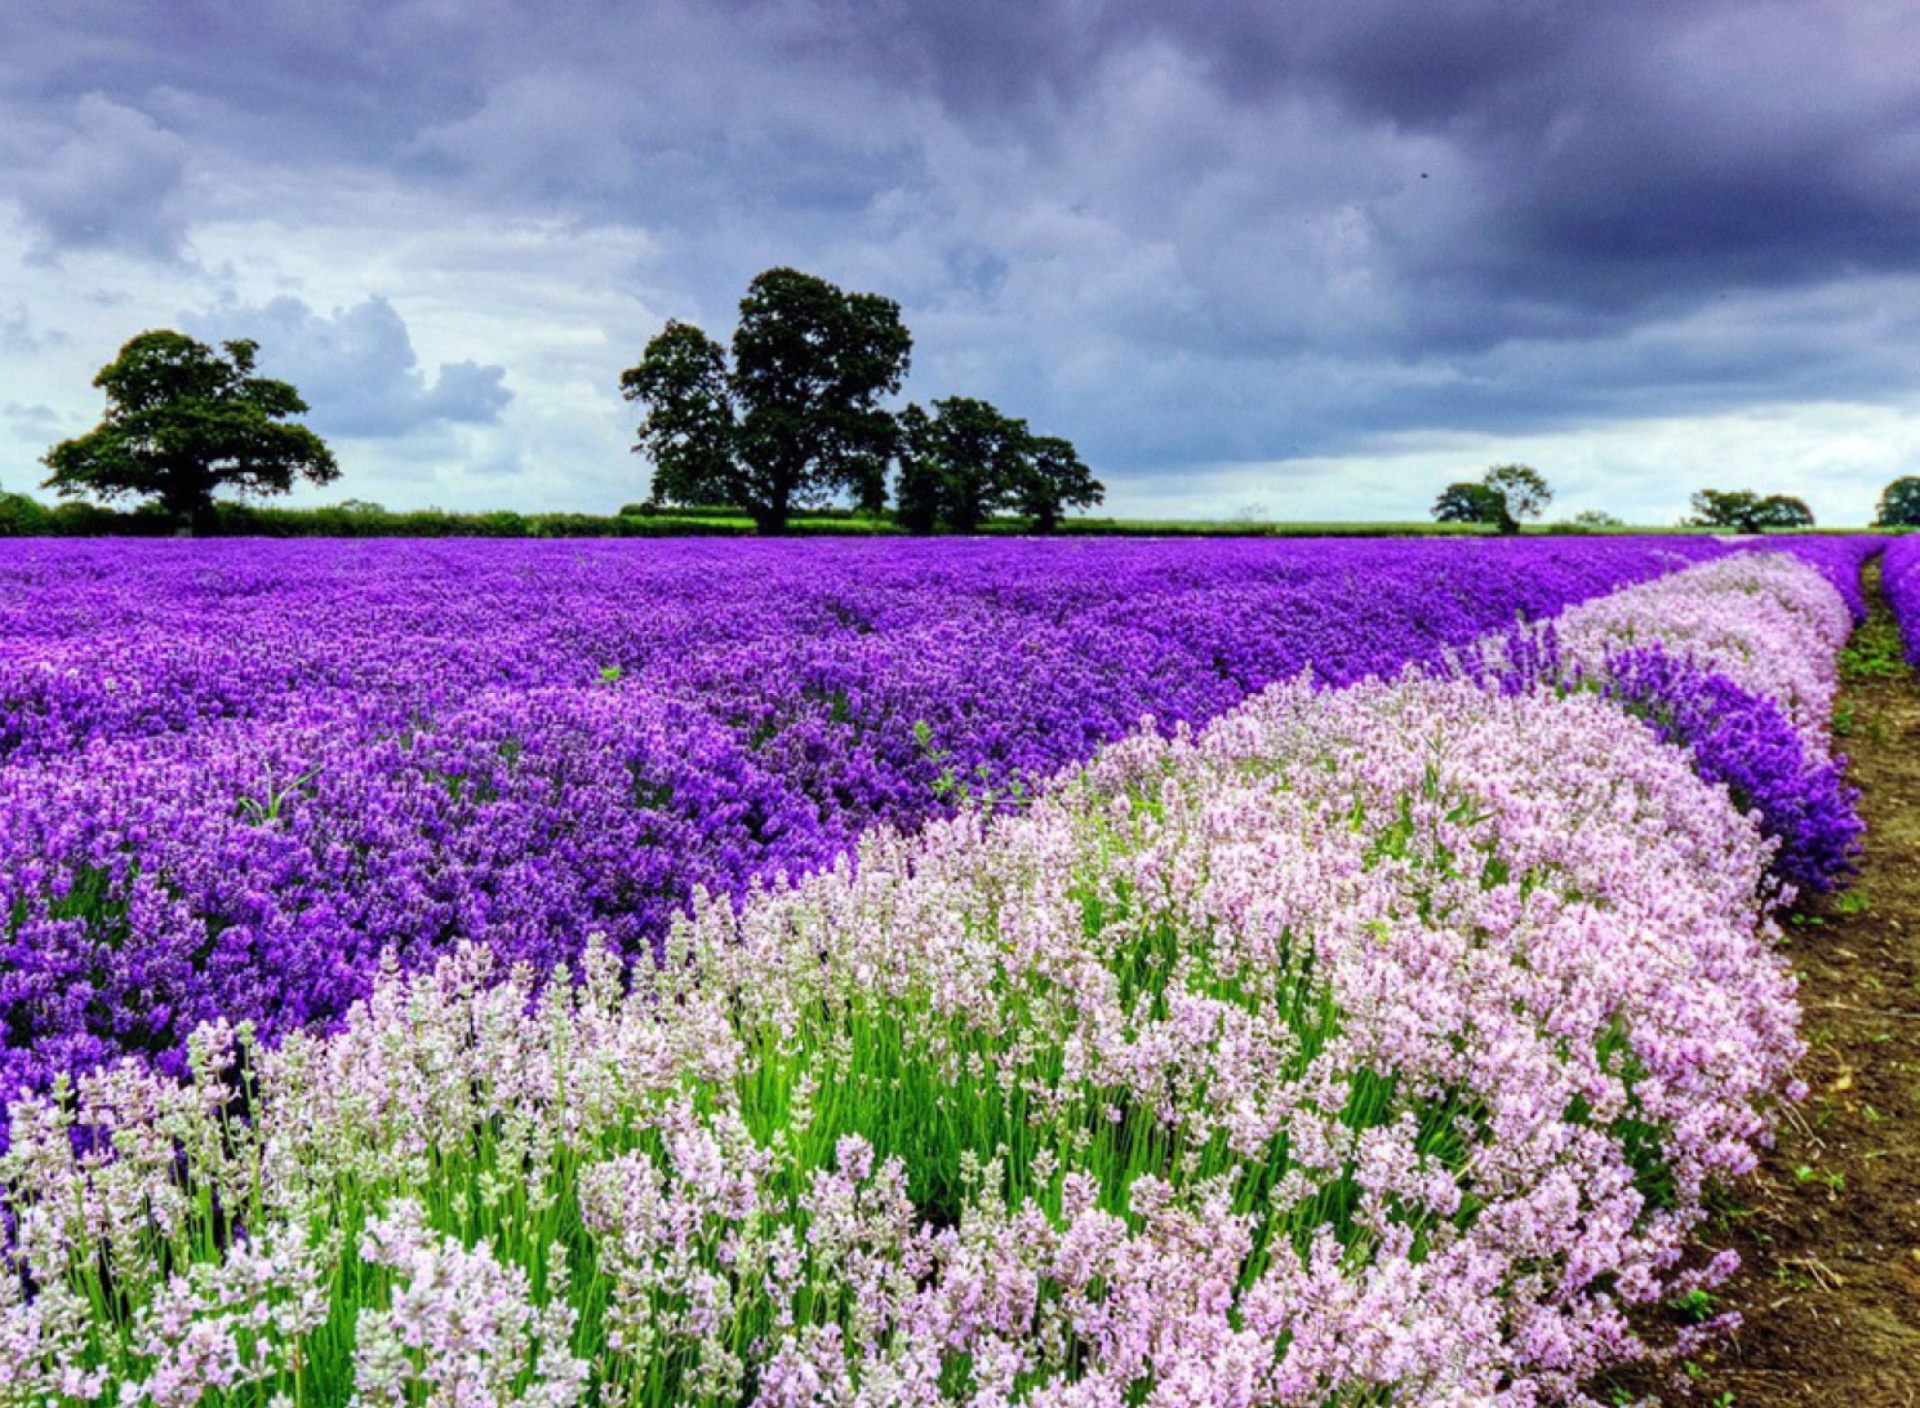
point(1830, 1230)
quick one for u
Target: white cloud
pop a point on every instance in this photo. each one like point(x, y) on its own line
point(357, 369)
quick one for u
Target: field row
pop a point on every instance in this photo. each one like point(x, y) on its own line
point(1375, 1043)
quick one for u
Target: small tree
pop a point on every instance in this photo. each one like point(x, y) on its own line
point(1784, 511)
point(182, 421)
point(960, 464)
point(918, 494)
point(968, 461)
point(1523, 493)
point(1505, 494)
point(1467, 502)
point(689, 428)
point(1900, 504)
point(1055, 479)
point(1743, 511)
point(793, 418)
point(1716, 508)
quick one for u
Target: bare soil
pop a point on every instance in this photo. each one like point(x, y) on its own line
point(1829, 1231)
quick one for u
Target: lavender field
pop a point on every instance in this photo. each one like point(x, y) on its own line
point(792, 973)
point(235, 774)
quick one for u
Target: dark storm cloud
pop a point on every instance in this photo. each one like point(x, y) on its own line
point(286, 75)
point(1178, 232)
point(1629, 151)
point(357, 368)
point(1629, 156)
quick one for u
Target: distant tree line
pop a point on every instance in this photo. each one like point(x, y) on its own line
point(24, 517)
point(1508, 493)
point(791, 417)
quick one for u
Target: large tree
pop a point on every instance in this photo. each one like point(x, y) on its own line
point(1900, 504)
point(183, 421)
point(1743, 511)
point(968, 461)
point(792, 418)
point(1504, 495)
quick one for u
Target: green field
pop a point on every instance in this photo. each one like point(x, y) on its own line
point(21, 516)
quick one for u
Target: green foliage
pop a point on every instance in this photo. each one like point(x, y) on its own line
point(1055, 479)
point(1467, 502)
point(794, 415)
point(1523, 493)
point(182, 421)
point(978, 791)
point(690, 425)
point(1900, 504)
point(958, 465)
point(1696, 1305)
point(1505, 494)
point(360, 520)
point(810, 366)
point(1875, 651)
point(21, 517)
point(1744, 511)
point(1852, 902)
point(968, 461)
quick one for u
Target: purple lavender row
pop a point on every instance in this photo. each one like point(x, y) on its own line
point(1900, 578)
point(235, 773)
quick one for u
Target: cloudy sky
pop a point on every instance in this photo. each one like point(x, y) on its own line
point(1305, 259)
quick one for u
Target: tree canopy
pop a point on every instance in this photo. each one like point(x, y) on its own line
point(968, 460)
point(183, 421)
point(1743, 511)
point(1503, 496)
point(1900, 504)
point(1055, 479)
point(1523, 493)
point(1466, 501)
point(791, 418)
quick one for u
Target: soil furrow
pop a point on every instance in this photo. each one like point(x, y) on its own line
point(1829, 1232)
